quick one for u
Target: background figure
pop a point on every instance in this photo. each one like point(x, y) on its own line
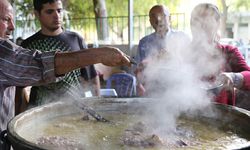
point(50, 38)
point(215, 62)
point(19, 40)
point(157, 45)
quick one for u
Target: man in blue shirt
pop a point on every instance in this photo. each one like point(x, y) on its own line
point(155, 42)
point(158, 44)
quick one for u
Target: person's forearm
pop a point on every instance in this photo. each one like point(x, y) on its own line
point(68, 61)
point(110, 56)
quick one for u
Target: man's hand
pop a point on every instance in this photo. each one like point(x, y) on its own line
point(231, 80)
point(112, 56)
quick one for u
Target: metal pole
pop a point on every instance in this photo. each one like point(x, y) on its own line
point(130, 25)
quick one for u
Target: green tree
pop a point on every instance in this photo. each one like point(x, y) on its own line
point(231, 6)
point(141, 7)
point(101, 19)
point(23, 8)
point(79, 9)
point(85, 8)
point(238, 5)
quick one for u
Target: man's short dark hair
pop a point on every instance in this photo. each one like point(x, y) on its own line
point(38, 4)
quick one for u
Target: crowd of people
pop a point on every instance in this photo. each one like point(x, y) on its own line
point(226, 62)
point(55, 61)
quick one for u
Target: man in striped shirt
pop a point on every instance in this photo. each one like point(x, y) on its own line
point(23, 67)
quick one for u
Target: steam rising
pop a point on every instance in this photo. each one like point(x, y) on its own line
point(175, 78)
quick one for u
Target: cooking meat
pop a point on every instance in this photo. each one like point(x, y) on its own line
point(85, 117)
point(138, 137)
point(59, 143)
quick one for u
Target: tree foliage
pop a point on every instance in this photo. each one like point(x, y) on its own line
point(238, 5)
point(231, 6)
point(23, 8)
point(235, 5)
point(80, 8)
point(85, 8)
point(120, 7)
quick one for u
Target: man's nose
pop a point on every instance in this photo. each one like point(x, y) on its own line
point(11, 25)
point(159, 18)
point(57, 14)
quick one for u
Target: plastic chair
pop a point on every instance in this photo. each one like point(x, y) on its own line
point(123, 83)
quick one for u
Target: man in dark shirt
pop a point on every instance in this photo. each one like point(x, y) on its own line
point(50, 38)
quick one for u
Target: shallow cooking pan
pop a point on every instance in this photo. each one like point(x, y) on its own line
point(67, 127)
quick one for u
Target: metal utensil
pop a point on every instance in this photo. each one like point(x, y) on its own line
point(91, 111)
point(76, 100)
point(215, 89)
point(132, 61)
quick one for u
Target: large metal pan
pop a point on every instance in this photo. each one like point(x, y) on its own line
point(20, 128)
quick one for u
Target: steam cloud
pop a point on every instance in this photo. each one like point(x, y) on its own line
point(175, 78)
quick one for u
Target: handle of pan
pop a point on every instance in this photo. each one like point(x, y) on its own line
point(4, 142)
